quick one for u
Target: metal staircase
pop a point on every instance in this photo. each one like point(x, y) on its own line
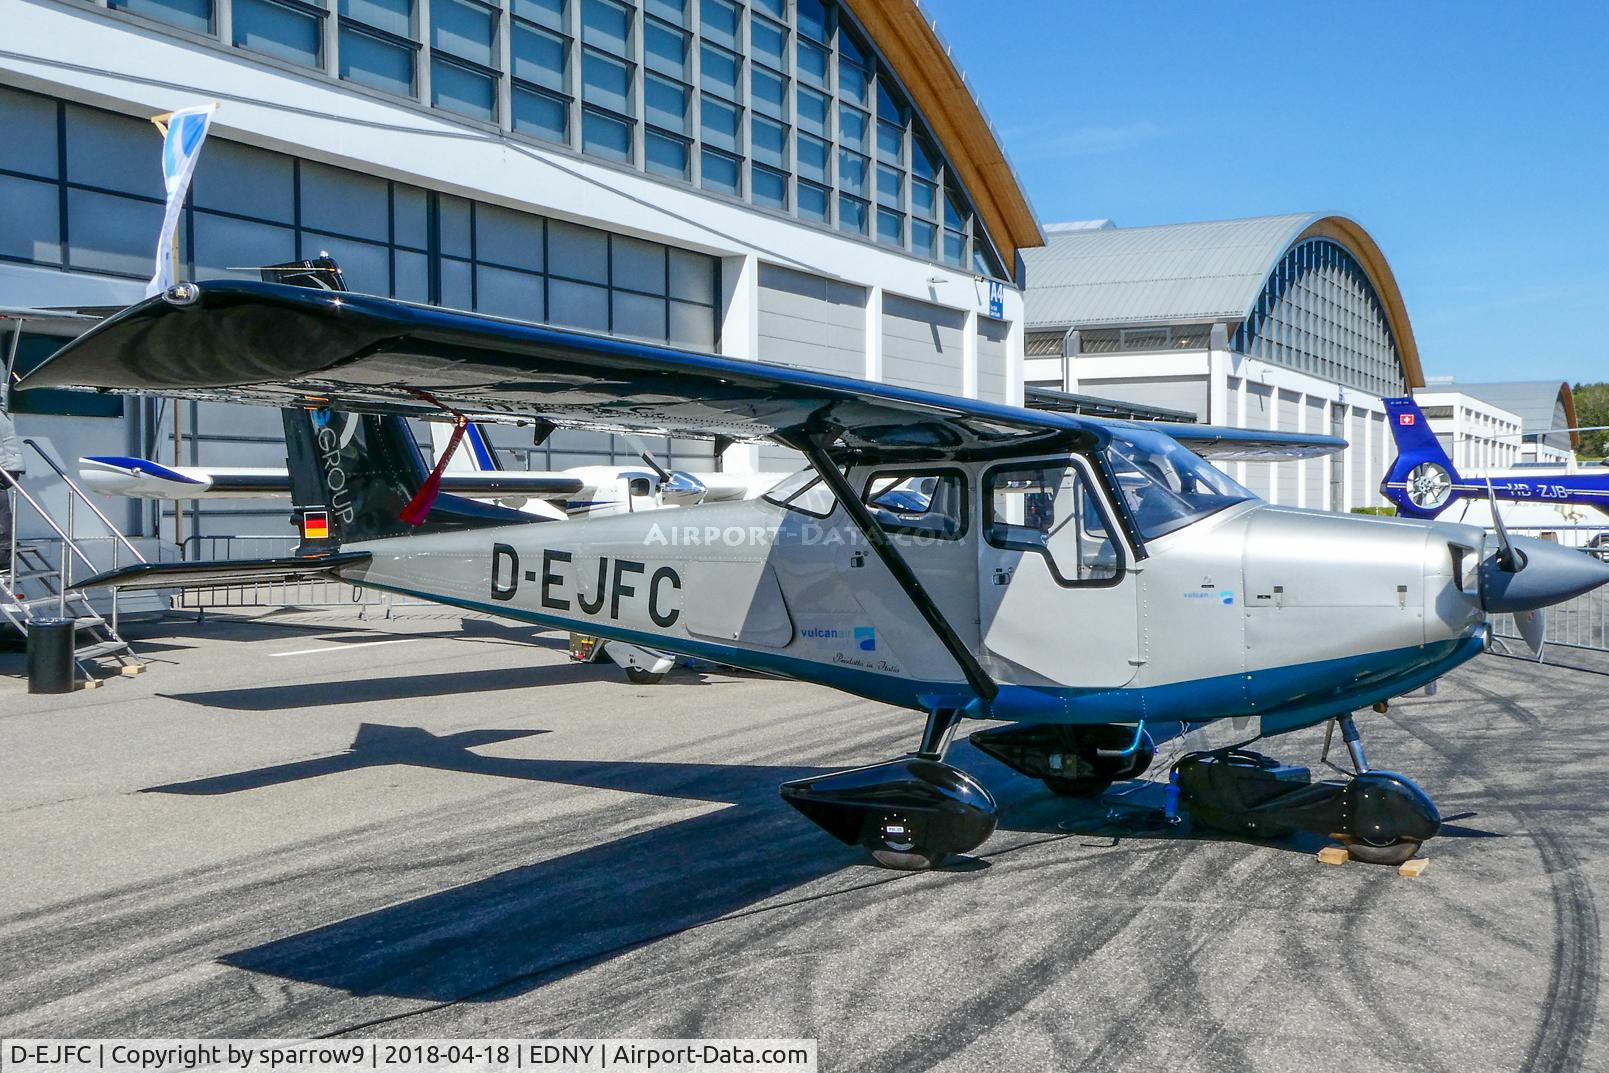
point(37, 582)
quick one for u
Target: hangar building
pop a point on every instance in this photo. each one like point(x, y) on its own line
point(1290, 322)
point(800, 181)
point(1546, 411)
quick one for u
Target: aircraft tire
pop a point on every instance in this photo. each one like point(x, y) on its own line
point(639, 677)
point(915, 860)
point(1086, 788)
point(1392, 853)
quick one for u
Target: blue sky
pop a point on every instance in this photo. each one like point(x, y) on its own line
point(1471, 139)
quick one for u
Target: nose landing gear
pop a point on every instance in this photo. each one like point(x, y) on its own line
point(1383, 817)
point(908, 813)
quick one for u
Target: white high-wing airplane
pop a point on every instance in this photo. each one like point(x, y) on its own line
point(474, 472)
point(1096, 586)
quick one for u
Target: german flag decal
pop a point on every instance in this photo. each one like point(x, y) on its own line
point(315, 525)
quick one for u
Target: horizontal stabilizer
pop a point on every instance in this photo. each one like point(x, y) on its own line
point(219, 572)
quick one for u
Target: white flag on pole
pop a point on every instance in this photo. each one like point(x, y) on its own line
point(181, 147)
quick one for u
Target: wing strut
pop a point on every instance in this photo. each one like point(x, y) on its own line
point(815, 449)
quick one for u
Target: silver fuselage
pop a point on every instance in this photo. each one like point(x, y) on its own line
point(1283, 616)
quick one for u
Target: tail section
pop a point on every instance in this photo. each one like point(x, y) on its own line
point(1422, 482)
point(351, 476)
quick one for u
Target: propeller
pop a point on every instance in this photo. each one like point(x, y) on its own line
point(1532, 623)
point(1507, 558)
point(1429, 486)
point(676, 486)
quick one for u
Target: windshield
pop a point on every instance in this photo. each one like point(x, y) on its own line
point(1166, 485)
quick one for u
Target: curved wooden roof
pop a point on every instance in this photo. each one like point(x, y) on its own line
point(911, 45)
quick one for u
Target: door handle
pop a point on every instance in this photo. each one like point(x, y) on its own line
point(1002, 576)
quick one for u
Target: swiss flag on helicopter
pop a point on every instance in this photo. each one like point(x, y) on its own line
point(1406, 419)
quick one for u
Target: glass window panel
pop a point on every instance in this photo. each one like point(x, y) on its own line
point(718, 70)
point(813, 21)
point(813, 201)
point(578, 305)
point(464, 28)
point(664, 48)
point(852, 172)
point(721, 171)
point(375, 62)
point(30, 222)
point(813, 154)
point(224, 247)
point(890, 142)
point(284, 30)
point(890, 186)
point(334, 199)
point(459, 89)
point(674, 10)
point(954, 214)
point(720, 123)
point(578, 252)
point(955, 248)
point(191, 14)
point(507, 237)
point(452, 215)
point(812, 60)
point(768, 43)
point(639, 316)
point(245, 180)
point(890, 105)
point(768, 187)
point(118, 152)
point(854, 84)
point(925, 159)
point(392, 16)
point(457, 292)
point(550, 13)
point(668, 155)
point(638, 265)
point(851, 48)
point(924, 237)
point(692, 326)
point(606, 82)
point(30, 132)
point(541, 114)
point(718, 21)
point(769, 141)
point(665, 104)
point(505, 293)
point(605, 136)
point(606, 25)
point(924, 199)
point(852, 214)
point(692, 276)
point(111, 234)
point(777, 9)
point(852, 129)
point(813, 110)
point(890, 227)
point(769, 91)
point(366, 265)
point(541, 57)
point(412, 272)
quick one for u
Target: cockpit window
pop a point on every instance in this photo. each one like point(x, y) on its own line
point(804, 492)
point(920, 504)
point(1166, 485)
point(1050, 508)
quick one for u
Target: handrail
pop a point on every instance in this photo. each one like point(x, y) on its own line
point(79, 492)
point(66, 540)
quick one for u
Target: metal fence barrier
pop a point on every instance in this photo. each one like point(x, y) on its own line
point(275, 593)
point(1579, 623)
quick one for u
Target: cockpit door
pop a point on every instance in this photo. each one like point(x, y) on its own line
point(1058, 595)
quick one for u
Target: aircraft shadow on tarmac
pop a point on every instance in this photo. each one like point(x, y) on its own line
point(527, 926)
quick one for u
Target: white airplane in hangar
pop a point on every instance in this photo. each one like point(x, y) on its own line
point(1096, 586)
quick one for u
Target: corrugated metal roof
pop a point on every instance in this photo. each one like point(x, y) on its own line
point(1541, 405)
point(1176, 273)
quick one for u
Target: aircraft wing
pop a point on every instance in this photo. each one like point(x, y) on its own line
point(1223, 444)
point(229, 342)
point(140, 478)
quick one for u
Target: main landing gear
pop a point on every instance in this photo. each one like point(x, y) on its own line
point(908, 813)
point(1073, 761)
point(1382, 817)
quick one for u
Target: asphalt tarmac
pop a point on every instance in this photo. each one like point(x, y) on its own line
point(308, 824)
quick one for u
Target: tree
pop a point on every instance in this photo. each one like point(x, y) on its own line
point(1592, 408)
